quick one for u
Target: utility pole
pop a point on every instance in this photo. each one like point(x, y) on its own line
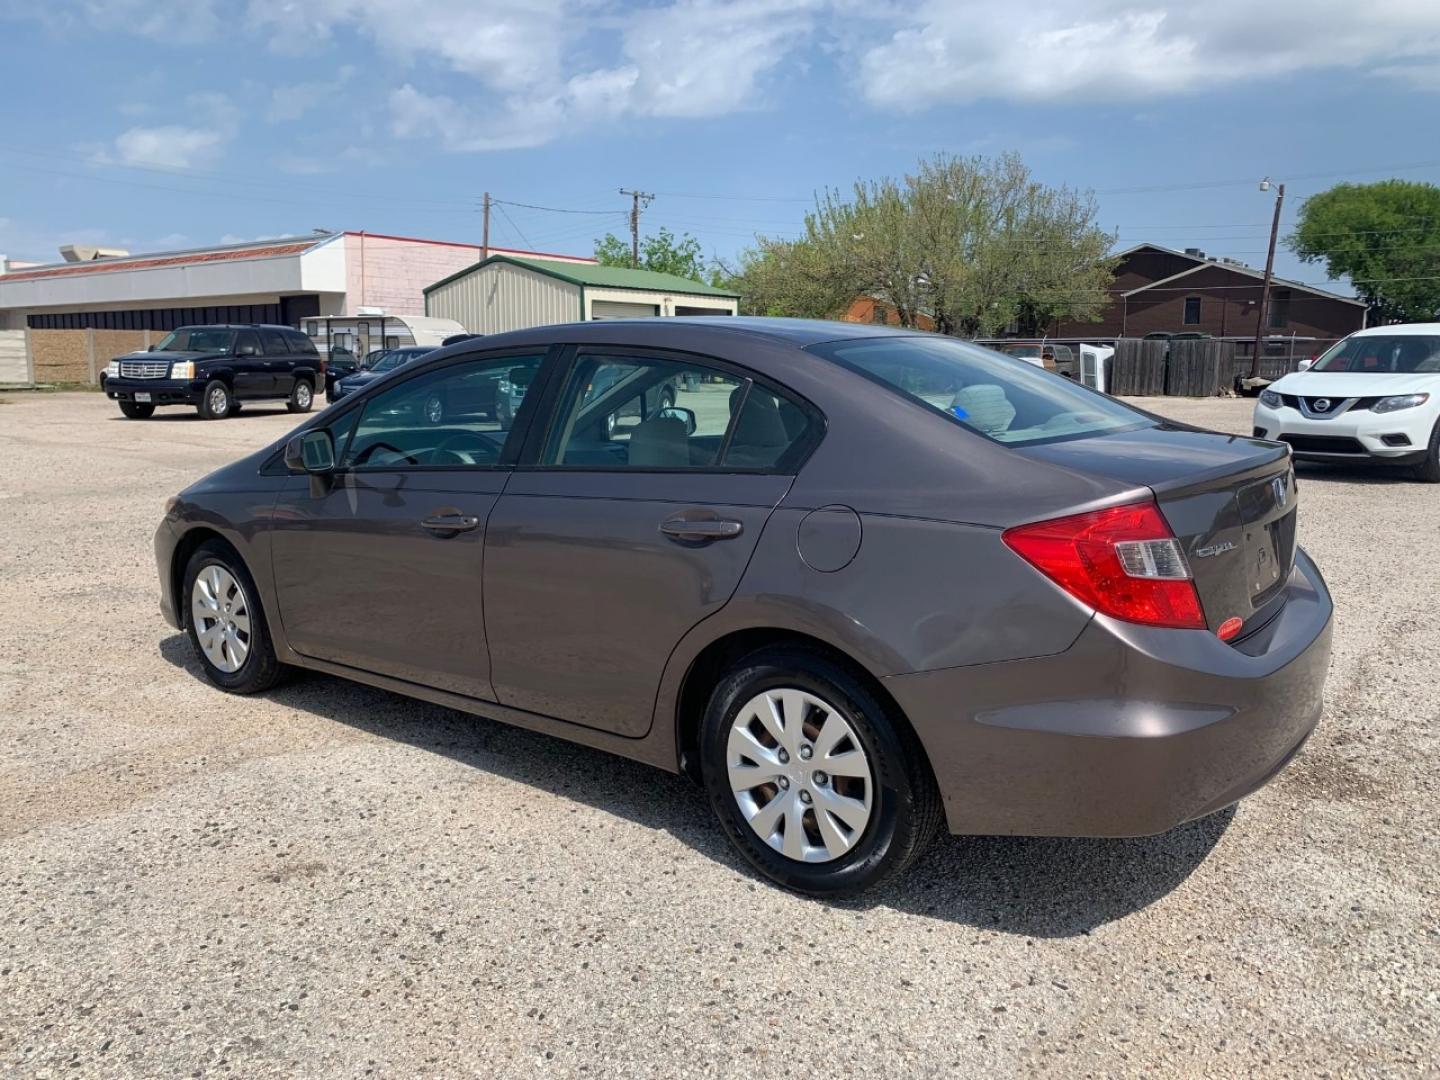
point(1265, 288)
point(485, 240)
point(636, 197)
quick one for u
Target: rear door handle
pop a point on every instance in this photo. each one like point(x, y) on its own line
point(713, 529)
point(450, 523)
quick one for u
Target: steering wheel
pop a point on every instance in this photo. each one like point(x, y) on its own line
point(364, 456)
point(467, 448)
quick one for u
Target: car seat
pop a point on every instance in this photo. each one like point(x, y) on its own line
point(659, 443)
point(760, 434)
point(985, 407)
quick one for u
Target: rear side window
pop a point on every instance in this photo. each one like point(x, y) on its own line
point(275, 343)
point(299, 343)
point(995, 395)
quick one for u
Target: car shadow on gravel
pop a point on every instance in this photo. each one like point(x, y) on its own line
point(1033, 886)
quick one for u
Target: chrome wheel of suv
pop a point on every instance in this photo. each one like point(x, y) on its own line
point(799, 775)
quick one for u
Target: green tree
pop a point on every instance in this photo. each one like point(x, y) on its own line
point(971, 243)
point(661, 251)
point(1384, 237)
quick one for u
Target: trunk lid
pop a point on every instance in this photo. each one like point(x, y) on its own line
point(1230, 501)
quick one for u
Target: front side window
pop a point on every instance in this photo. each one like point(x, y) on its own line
point(456, 416)
point(1192, 310)
point(1007, 400)
point(653, 414)
point(196, 339)
point(1383, 353)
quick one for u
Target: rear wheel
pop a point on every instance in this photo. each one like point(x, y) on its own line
point(225, 623)
point(1429, 469)
point(302, 397)
point(814, 781)
point(216, 402)
point(137, 410)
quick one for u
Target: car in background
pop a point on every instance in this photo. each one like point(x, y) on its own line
point(382, 364)
point(858, 582)
point(1047, 355)
point(217, 369)
point(1372, 397)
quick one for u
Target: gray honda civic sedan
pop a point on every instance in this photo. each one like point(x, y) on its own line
point(857, 582)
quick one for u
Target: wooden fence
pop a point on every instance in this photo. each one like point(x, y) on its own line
point(1188, 368)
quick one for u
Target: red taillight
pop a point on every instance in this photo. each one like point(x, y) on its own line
point(1123, 562)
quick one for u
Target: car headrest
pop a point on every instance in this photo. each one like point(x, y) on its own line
point(660, 442)
point(986, 407)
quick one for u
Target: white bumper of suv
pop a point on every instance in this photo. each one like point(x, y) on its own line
point(1351, 433)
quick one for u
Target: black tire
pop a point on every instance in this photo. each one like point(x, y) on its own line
point(137, 410)
point(217, 402)
point(1428, 471)
point(905, 808)
point(260, 670)
point(302, 397)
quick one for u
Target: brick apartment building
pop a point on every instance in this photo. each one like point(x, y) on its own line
point(1161, 289)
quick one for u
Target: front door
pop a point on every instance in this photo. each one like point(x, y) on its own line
point(252, 378)
point(384, 570)
point(636, 522)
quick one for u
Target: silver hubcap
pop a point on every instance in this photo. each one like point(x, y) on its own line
point(218, 402)
point(302, 395)
point(221, 616)
point(799, 775)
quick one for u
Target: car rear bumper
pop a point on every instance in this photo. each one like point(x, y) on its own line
point(1357, 435)
point(161, 391)
point(1130, 731)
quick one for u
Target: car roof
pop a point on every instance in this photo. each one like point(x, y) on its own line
point(237, 326)
point(796, 332)
point(1403, 329)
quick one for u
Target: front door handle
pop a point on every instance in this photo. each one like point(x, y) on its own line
point(450, 524)
point(704, 529)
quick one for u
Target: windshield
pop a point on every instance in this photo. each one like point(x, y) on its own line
point(196, 339)
point(389, 362)
point(998, 396)
point(1394, 353)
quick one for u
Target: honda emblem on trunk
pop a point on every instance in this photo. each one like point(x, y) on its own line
point(1277, 486)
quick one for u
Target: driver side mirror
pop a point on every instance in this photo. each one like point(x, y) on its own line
point(686, 416)
point(1304, 365)
point(311, 452)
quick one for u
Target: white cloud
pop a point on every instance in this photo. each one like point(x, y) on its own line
point(1059, 51)
point(294, 101)
point(194, 145)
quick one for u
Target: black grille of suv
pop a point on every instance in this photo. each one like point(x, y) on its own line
point(1324, 444)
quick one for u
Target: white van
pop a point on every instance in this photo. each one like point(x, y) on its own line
point(354, 337)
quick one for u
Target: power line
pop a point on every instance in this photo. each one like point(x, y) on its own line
point(550, 209)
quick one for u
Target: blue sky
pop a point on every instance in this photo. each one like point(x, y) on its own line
point(154, 124)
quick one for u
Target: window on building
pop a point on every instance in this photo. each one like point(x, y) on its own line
point(877, 313)
point(1192, 310)
point(1280, 308)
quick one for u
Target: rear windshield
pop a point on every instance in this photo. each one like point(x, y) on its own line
point(998, 396)
point(196, 339)
point(1395, 353)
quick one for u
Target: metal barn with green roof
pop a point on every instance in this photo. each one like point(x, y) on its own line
point(504, 292)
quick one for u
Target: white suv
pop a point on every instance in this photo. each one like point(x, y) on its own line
point(1373, 397)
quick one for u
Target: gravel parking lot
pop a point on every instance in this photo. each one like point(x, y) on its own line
point(332, 880)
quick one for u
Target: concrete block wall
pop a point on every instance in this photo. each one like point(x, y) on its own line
point(78, 356)
point(392, 274)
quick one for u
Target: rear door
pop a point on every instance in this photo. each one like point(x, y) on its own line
point(279, 360)
point(633, 522)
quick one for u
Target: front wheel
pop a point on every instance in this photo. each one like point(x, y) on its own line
point(1429, 469)
point(225, 623)
point(137, 410)
point(302, 397)
point(812, 777)
point(215, 402)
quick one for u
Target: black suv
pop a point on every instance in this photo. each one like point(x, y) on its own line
point(216, 368)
